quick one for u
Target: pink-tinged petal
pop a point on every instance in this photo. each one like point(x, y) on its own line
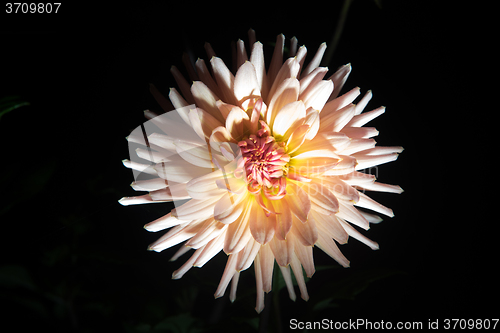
point(287, 276)
point(225, 80)
point(345, 166)
point(145, 168)
point(224, 108)
point(341, 101)
point(368, 161)
point(357, 178)
point(228, 274)
point(372, 218)
point(183, 85)
point(360, 132)
point(195, 154)
point(266, 264)
point(259, 286)
point(381, 187)
point(293, 47)
point(299, 277)
point(210, 250)
point(367, 202)
point(233, 185)
point(327, 245)
point(331, 225)
point(339, 78)
point(238, 233)
point(206, 78)
point(316, 60)
point(380, 150)
point(172, 192)
point(205, 186)
point(203, 123)
point(276, 61)
point(255, 115)
point(234, 287)
point(179, 103)
point(357, 145)
point(220, 135)
point(163, 141)
point(283, 218)
point(236, 122)
point(298, 201)
point(363, 102)
point(313, 120)
point(181, 251)
point(289, 70)
point(246, 85)
point(361, 119)
point(348, 212)
point(205, 99)
point(209, 231)
point(340, 189)
point(325, 141)
point(314, 162)
point(305, 232)
point(230, 207)
point(282, 250)
point(241, 53)
point(288, 119)
point(287, 92)
point(257, 60)
point(311, 79)
point(247, 255)
point(196, 209)
point(317, 95)
point(179, 273)
point(297, 138)
point(335, 121)
point(261, 226)
point(305, 256)
point(359, 236)
point(149, 185)
point(301, 57)
point(322, 199)
point(137, 200)
point(176, 235)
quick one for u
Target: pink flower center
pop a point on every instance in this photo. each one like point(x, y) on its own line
point(265, 164)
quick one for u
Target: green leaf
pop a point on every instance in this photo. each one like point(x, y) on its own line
point(10, 103)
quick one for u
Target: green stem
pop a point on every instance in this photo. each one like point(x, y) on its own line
point(332, 46)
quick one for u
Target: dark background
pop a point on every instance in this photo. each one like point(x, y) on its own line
point(73, 259)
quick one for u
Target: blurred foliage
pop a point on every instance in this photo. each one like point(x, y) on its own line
point(10, 103)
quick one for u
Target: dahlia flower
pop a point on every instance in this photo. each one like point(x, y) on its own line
point(261, 164)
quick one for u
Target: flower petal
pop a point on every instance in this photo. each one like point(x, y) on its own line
point(327, 245)
point(246, 85)
point(225, 80)
point(305, 232)
point(283, 218)
point(287, 92)
point(298, 201)
point(257, 60)
point(238, 234)
point(205, 99)
point(261, 226)
point(282, 250)
point(229, 207)
point(288, 119)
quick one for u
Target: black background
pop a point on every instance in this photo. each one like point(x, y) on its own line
point(73, 259)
